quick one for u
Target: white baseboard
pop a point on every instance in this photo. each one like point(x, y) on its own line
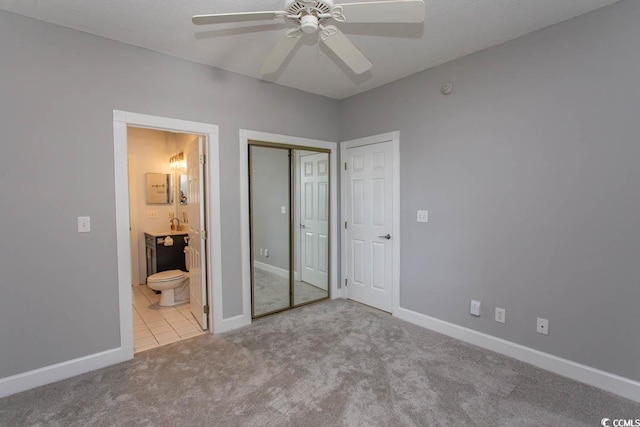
point(234, 322)
point(61, 371)
point(271, 269)
point(616, 384)
point(613, 383)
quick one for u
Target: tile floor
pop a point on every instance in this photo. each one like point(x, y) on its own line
point(154, 326)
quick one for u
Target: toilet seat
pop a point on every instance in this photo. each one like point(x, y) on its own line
point(166, 276)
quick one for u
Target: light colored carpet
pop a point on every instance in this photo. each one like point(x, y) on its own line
point(335, 363)
point(272, 292)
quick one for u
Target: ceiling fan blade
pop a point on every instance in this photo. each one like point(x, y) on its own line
point(223, 18)
point(279, 54)
point(347, 52)
point(384, 12)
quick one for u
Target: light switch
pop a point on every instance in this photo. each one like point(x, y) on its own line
point(283, 209)
point(423, 216)
point(84, 224)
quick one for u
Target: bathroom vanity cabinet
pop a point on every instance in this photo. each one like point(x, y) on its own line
point(163, 258)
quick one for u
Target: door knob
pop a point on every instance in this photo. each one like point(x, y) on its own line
point(388, 237)
point(302, 225)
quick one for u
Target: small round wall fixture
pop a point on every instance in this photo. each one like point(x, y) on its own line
point(447, 88)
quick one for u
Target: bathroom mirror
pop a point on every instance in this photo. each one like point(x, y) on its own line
point(183, 190)
point(159, 188)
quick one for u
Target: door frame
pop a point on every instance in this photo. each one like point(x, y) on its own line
point(135, 248)
point(121, 121)
point(394, 138)
point(250, 135)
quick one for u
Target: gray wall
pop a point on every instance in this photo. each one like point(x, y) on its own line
point(58, 89)
point(270, 177)
point(530, 171)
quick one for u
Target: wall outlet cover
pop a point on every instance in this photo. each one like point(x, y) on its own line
point(501, 315)
point(84, 224)
point(423, 216)
point(542, 326)
point(474, 308)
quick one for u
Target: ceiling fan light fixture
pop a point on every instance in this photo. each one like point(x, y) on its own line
point(309, 24)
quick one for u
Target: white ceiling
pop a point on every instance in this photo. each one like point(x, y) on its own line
point(453, 28)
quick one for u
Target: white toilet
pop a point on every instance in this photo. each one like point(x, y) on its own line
point(173, 284)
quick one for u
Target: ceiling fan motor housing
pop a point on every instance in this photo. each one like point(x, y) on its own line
point(320, 3)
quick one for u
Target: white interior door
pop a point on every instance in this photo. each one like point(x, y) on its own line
point(369, 213)
point(314, 219)
point(197, 234)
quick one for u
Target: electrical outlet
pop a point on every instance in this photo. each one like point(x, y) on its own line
point(423, 216)
point(501, 315)
point(542, 326)
point(84, 224)
point(474, 308)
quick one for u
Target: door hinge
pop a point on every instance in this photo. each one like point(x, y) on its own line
point(204, 235)
point(345, 283)
point(345, 165)
point(205, 309)
point(345, 225)
point(203, 159)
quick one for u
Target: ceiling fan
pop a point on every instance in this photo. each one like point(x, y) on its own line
point(313, 16)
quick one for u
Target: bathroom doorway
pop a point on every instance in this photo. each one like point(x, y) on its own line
point(163, 195)
point(289, 210)
point(167, 217)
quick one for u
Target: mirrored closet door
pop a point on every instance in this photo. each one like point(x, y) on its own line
point(289, 214)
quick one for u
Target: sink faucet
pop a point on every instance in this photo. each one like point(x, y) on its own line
point(177, 228)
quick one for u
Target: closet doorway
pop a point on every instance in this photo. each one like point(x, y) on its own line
point(289, 206)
